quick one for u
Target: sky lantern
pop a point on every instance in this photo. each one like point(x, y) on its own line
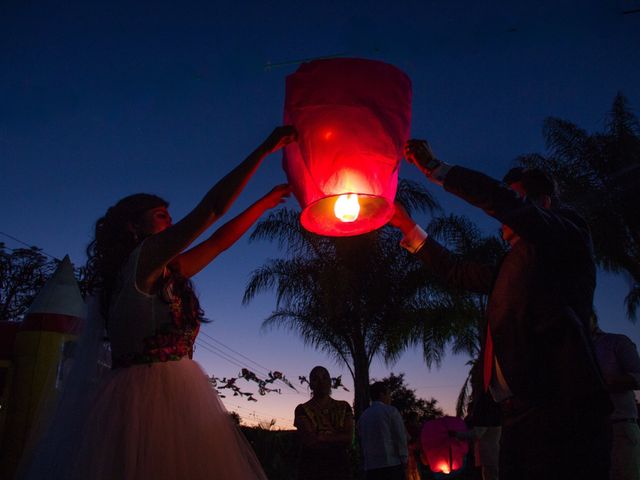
point(353, 117)
point(444, 453)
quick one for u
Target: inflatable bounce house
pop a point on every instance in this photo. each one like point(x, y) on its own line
point(35, 354)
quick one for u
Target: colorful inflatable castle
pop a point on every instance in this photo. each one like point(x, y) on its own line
point(35, 355)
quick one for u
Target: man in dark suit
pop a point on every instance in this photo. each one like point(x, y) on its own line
point(538, 363)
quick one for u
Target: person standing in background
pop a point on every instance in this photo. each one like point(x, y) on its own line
point(325, 428)
point(383, 437)
point(620, 365)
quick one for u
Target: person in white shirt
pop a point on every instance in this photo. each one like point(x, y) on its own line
point(620, 365)
point(383, 438)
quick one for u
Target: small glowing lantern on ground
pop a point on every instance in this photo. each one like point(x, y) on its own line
point(353, 117)
point(444, 453)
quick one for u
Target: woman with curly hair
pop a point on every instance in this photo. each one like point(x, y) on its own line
point(156, 415)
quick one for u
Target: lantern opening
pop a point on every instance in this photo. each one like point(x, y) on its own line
point(320, 217)
point(347, 207)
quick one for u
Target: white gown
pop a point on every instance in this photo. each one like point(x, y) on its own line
point(155, 416)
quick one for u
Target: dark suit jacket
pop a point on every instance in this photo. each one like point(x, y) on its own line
point(540, 295)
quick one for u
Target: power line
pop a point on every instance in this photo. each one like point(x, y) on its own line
point(212, 349)
point(263, 414)
point(267, 370)
point(29, 246)
point(219, 354)
point(230, 357)
point(234, 361)
point(438, 386)
point(268, 66)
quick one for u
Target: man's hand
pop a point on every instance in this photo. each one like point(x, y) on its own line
point(419, 153)
point(402, 220)
point(280, 137)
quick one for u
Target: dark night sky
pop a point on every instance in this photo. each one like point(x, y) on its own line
point(102, 99)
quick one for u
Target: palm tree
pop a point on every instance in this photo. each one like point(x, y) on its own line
point(599, 174)
point(354, 298)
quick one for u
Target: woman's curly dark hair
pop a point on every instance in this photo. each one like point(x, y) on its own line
point(113, 243)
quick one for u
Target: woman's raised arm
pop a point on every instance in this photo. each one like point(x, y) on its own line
point(195, 259)
point(161, 248)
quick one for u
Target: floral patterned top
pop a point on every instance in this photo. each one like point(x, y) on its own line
point(330, 461)
point(329, 419)
point(170, 343)
point(144, 328)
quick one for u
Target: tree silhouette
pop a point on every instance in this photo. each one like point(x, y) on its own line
point(599, 175)
point(406, 401)
point(23, 272)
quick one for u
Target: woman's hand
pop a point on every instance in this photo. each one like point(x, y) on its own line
point(280, 137)
point(276, 196)
point(194, 260)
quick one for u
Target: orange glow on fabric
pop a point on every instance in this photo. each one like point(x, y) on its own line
point(487, 360)
point(352, 117)
point(347, 207)
point(444, 453)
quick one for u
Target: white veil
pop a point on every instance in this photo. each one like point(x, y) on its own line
point(57, 431)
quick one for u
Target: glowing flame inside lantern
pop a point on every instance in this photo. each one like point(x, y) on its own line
point(444, 468)
point(347, 207)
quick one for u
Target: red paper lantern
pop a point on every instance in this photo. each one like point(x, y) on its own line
point(444, 453)
point(353, 117)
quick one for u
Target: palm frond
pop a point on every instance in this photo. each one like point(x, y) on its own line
point(599, 174)
point(463, 397)
point(632, 301)
point(456, 231)
point(413, 196)
point(621, 121)
point(564, 139)
point(283, 226)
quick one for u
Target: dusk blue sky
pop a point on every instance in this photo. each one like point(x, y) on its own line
point(99, 100)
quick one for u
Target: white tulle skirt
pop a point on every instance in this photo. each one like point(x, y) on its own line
point(162, 421)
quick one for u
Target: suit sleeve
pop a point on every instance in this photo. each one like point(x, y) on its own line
point(452, 271)
point(530, 221)
point(628, 358)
